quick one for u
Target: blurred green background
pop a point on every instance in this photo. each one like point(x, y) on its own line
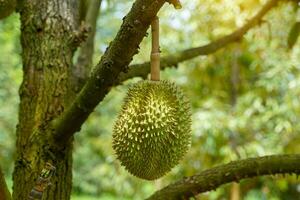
point(245, 98)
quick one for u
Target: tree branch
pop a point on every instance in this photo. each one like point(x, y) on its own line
point(115, 59)
point(235, 171)
point(4, 192)
point(84, 62)
point(7, 7)
point(142, 70)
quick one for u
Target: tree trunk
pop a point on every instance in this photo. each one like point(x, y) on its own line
point(48, 40)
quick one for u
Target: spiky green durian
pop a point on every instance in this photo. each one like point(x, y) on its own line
point(153, 130)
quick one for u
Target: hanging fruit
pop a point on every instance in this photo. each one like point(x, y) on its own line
point(153, 130)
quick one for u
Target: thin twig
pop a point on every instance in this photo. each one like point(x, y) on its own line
point(83, 66)
point(142, 70)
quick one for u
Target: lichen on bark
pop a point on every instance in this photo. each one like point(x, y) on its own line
point(47, 52)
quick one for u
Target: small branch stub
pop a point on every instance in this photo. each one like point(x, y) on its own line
point(176, 3)
point(155, 53)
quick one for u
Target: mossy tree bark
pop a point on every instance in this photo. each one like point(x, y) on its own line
point(48, 44)
point(7, 7)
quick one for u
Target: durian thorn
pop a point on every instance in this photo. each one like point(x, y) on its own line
point(155, 52)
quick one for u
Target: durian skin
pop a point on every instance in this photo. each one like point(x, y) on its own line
point(153, 130)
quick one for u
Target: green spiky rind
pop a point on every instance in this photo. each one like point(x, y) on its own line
point(153, 130)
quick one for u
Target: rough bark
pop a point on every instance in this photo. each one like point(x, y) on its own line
point(115, 60)
point(4, 192)
point(48, 43)
point(235, 171)
point(143, 69)
point(7, 7)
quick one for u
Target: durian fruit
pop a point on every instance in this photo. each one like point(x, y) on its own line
point(153, 130)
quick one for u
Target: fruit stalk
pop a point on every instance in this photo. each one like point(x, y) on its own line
point(155, 52)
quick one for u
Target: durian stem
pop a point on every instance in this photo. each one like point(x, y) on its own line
point(155, 53)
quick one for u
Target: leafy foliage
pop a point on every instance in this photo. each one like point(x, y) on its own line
point(10, 78)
